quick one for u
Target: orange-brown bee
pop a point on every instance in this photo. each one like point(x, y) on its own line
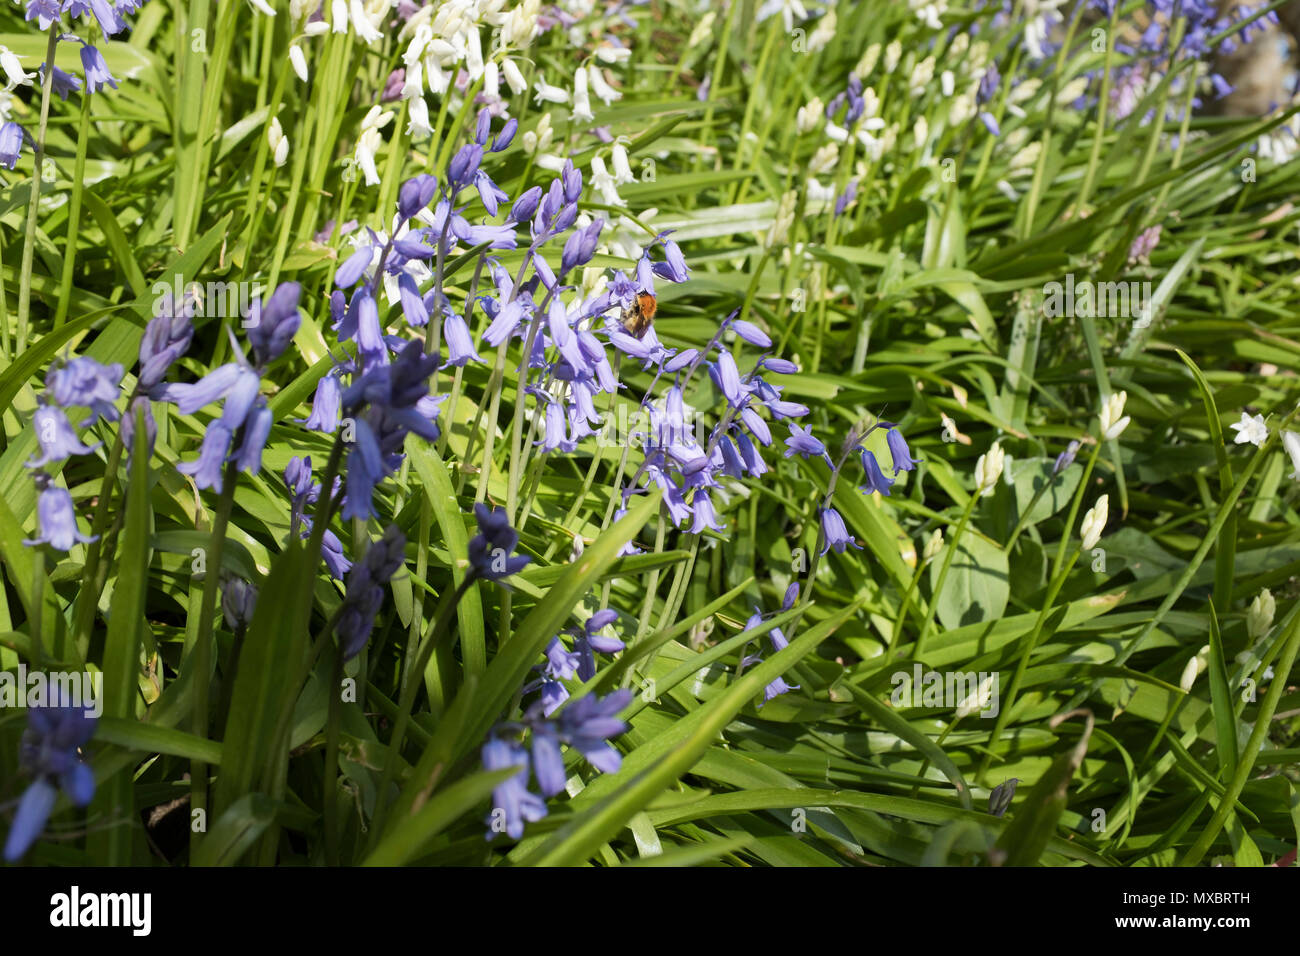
point(638, 319)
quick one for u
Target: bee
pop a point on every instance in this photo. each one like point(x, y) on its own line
point(638, 319)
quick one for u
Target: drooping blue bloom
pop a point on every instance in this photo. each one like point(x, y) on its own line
point(416, 193)
point(589, 722)
point(273, 322)
point(44, 12)
point(1065, 459)
point(63, 83)
point(511, 798)
point(802, 443)
point(835, 533)
point(55, 436)
point(238, 601)
point(876, 480)
point(50, 752)
point(206, 469)
point(365, 591)
point(142, 405)
point(590, 642)
point(166, 338)
point(560, 664)
point(102, 11)
point(57, 517)
point(325, 406)
point(898, 450)
point(84, 383)
point(490, 550)
point(11, 144)
point(96, 70)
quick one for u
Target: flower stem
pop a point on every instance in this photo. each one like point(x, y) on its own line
point(33, 207)
point(201, 655)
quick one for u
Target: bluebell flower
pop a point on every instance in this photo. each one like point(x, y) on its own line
point(526, 205)
point(57, 517)
point(490, 550)
point(512, 796)
point(560, 664)
point(463, 166)
point(589, 722)
point(460, 345)
point(836, 534)
point(63, 83)
point(273, 322)
point(44, 12)
point(802, 443)
point(355, 266)
point(898, 450)
point(96, 70)
point(365, 592)
point(102, 11)
point(238, 601)
point(206, 469)
point(876, 480)
point(11, 144)
point(705, 516)
point(751, 333)
point(51, 751)
point(416, 194)
point(84, 383)
point(325, 405)
point(55, 436)
point(590, 642)
point(166, 338)
point(1065, 459)
point(386, 403)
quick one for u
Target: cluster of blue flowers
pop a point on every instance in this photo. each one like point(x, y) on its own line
point(562, 664)
point(271, 325)
point(48, 15)
point(586, 726)
point(779, 643)
point(70, 383)
point(51, 752)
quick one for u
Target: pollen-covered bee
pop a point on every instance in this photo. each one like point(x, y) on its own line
point(640, 316)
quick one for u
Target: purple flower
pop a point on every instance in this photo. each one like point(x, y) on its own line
point(63, 83)
point(206, 469)
point(84, 383)
point(460, 346)
point(802, 443)
point(365, 592)
point(92, 62)
point(102, 10)
point(238, 601)
point(1065, 459)
point(50, 751)
point(591, 642)
point(57, 517)
point(166, 338)
point(898, 450)
point(490, 550)
point(876, 480)
point(11, 144)
point(416, 194)
point(751, 333)
point(837, 536)
point(44, 12)
point(273, 322)
point(588, 723)
point(511, 797)
point(55, 436)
